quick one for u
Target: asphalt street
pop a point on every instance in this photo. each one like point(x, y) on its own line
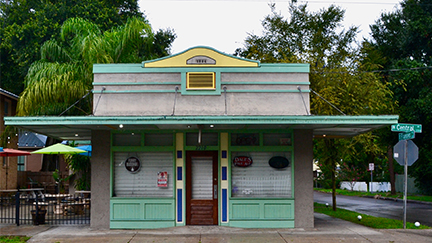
point(380, 208)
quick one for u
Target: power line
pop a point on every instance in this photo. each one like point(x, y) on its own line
point(379, 71)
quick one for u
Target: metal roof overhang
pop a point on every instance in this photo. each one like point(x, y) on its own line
point(80, 127)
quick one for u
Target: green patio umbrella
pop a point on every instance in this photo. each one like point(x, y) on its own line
point(59, 148)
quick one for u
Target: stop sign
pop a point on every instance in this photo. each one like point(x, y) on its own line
point(403, 147)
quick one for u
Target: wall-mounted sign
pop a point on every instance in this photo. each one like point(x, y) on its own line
point(162, 179)
point(278, 162)
point(202, 60)
point(132, 164)
point(242, 161)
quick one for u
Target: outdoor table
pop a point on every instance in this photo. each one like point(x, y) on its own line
point(59, 207)
point(84, 195)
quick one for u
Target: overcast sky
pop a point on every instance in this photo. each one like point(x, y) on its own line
point(224, 25)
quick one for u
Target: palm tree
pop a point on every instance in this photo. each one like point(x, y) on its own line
point(64, 73)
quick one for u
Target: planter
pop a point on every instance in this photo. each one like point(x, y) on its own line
point(40, 218)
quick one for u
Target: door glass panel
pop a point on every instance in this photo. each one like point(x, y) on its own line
point(202, 178)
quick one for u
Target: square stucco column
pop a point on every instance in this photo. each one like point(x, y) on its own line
point(100, 180)
point(303, 179)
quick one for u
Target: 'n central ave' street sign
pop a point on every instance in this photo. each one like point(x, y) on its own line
point(406, 128)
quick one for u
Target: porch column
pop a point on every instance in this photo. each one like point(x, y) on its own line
point(303, 179)
point(100, 180)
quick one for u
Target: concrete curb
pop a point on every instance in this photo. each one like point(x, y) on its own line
point(397, 199)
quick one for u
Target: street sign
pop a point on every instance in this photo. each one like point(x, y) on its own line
point(406, 135)
point(371, 166)
point(405, 153)
point(405, 146)
point(406, 128)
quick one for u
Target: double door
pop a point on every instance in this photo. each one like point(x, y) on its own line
point(201, 187)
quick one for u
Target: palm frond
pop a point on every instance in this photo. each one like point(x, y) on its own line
point(53, 52)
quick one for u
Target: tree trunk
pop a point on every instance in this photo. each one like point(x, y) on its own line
point(391, 170)
point(333, 184)
point(330, 146)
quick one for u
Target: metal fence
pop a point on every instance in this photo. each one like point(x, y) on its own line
point(33, 206)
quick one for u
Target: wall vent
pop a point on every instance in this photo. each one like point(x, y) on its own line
point(200, 81)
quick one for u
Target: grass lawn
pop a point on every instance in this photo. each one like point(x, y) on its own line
point(14, 239)
point(382, 194)
point(367, 220)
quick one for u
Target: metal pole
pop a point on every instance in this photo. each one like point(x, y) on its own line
point(406, 183)
point(17, 208)
point(371, 188)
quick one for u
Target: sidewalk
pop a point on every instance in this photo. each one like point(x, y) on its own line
point(326, 229)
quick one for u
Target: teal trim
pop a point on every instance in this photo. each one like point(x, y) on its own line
point(262, 148)
point(195, 47)
point(216, 91)
point(135, 91)
point(142, 209)
point(262, 224)
point(265, 83)
point(143, 120)
point(261, 213)
point(124, 68)
point(201, 148)
point(292, 164)
point(142, 149)
point(266, 91)
point(130, 224)
point(135, 83)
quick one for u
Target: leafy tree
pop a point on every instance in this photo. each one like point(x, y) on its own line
point(64, 74)
point(81, 170)
point(27, 24)
point(337, 73)
point(403, 40)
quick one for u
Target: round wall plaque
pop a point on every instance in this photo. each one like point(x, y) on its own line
point(278, 162)
point(132, 164)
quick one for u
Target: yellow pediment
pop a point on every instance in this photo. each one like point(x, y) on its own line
point(200, 57)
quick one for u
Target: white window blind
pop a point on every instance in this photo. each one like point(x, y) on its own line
point(259, 179)
point(144, 182)
point(202, 178)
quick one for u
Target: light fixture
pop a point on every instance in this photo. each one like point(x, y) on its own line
point(188, 126)
point(133, 134)
point(324, 135)
point(211, 126)
point(76, 134)
point(417, 224)
point(359, 217)
point(121, 125)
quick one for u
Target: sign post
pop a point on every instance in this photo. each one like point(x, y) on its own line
point(371, 168)
point(406, 153)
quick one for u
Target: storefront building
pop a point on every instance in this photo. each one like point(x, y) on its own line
point(201, 138)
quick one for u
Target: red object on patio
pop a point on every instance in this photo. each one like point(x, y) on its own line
point(7, 152)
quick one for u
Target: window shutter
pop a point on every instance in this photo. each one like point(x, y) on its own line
point(200, 81)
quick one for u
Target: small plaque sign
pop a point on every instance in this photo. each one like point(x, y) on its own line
point(242, 161)
point(201, 60)
point(162, 179)
point(132, 164)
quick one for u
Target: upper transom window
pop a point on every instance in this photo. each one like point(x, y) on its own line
point(200, 81)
